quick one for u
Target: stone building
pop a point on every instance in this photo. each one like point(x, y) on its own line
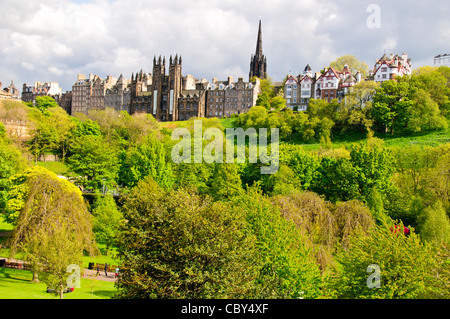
point(168, 96)
point(89, 93)
point(65, 102)
point(225, 98)
point(10, 92)
point(118, 96)
point(30, 92)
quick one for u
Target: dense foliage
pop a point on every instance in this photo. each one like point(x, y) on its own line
point(213, 230)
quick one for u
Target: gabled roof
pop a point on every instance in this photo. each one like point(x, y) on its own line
point(290, 79)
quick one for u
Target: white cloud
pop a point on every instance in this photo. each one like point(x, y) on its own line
point(56, 39)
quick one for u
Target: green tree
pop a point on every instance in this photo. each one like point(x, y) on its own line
point(93, 161)
point(144, 159)
point(11, 163)
point(391, 106)
point(226, 182)
point(434, 225)
point(425, 114)
point(407, 267)
point(285, 262)
point(177, 244)
point(337, 180)
point(43, 103)
point(53, 228)
point(108, 220)
point(352, 62)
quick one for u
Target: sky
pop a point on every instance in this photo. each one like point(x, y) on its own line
point(54, 40)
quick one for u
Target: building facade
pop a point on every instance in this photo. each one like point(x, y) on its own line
point(225, 98)
point(118, 96)
point(387, 68)
point(168, 96)
point(10, 92)
point(30, 92)
point(329, 84)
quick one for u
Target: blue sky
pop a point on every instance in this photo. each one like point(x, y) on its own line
point(54, 40)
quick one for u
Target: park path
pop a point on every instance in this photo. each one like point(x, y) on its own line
point(88, 273)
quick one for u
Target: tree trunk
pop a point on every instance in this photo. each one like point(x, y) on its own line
point(35, 277)
point(61, 294)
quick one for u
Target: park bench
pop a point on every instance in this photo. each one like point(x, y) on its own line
point(17, 265)
point(102, 267)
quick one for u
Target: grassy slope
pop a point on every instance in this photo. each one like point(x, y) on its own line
point(433, 138)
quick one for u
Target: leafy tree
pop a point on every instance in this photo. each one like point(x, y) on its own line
point(44, 137)
point(352, 62)
point(107, 221)
point(435, 225)
point(337, 180)
point(144, 159)
point(43, 103)
point(86, 127)
point(313, 218)
point(226, 182)
point(123, 128)
point(433, 81)
point(177, 244)
point(94, 161)
point(303, 163)
point(374, 163)
point(407, 267)
point(282, 182)
point(18, 191)
point(11, 163)
point(425, 114)
point(391, 106)
point(286, 264)
point(53, 228)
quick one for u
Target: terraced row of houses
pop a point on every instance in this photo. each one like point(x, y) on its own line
point(331, 83)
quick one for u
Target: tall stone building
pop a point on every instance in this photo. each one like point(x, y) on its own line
point(258, 63)
point(168, 97)
point(89, 93)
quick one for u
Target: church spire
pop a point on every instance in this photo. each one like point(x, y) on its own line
point(258, 63)
point(259, 52)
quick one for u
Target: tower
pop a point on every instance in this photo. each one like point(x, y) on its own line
point(175, 85)
point(258, 63)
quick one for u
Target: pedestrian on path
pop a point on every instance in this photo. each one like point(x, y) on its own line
point(106, 269)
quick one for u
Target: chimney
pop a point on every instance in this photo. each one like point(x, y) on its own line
point(346, 69)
